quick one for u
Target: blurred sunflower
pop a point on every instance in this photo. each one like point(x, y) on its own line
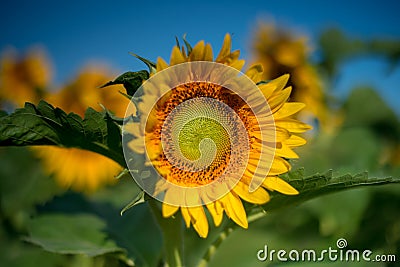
point(24, 78)
point(74, 168)
point(281, 52)
point(231, 203)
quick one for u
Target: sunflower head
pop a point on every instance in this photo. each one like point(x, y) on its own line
point(280, 52)
point(211, 136)
point(24, 79)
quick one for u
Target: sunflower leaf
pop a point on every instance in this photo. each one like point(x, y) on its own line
point(320, 184)
point(71, 234)
point(131, 80)
point(45, 125)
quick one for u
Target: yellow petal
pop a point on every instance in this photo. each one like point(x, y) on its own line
point(237, 64)
point(259, 196)
point(168, 210)
point(197, 53)
point(288, 109)
point(186, 216)
point(255, 73)
point(216, 213)
point(234, 209)
point(161, 64)
point(285, 151)
point(199, 220)
point(293, 126)
point(279, 166)
point(208, 53)
point(280, 135)
point(226, 48)
point(274, 86)
point(277, 184)
point(278, 100)
point(176, 56)
point(133, 128)
point(295, 140)
point(137, 145)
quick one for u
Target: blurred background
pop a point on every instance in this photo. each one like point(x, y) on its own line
point(343, 58)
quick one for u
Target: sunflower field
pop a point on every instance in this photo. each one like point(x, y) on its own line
point(202, 156)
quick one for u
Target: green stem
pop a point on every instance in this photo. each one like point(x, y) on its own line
point(172, 232)
point(260, 213)
point(214, 246)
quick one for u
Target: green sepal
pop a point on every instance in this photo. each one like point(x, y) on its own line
point(150, 64)
point(139, 199)
point(187, 44)
point(130, 80)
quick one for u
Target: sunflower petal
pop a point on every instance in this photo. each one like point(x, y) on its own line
point(288, 109)
point(186, 216)
point(176, 56)
point(168, 210)
point(237, 64)
point(285, 152)
point(278, 100)
point(295, 140)
point(293, 126)
point(199, 220)
point(226, 48)
point(133, 128)
point(216, 213)
point(279, 166)
point(161, 64)
point(137, 145)
point(259, 196)
point(276, 85)
point(277, 184)
point(255, 72)
point(197, 53)
point(234, 209)
point(208, 53)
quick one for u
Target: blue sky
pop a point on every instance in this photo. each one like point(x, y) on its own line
point(75, 33)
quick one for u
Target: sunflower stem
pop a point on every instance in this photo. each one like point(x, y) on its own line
point(172, 232)
point(224, 235)
point(215, 245)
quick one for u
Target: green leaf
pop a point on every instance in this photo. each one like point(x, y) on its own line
point(46, 125)
point(130, 80)
point(320, 184)
point(71, 234)
point(20, 254)
point(309, 187)
point(382, 120)
point(23, 185)
point(136, 231)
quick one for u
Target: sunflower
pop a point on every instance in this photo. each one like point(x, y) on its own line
point(74, 168)
point(24, 78)
point(281, 52)
point(214, 137)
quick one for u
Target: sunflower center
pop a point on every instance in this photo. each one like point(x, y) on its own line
point(202, 137)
